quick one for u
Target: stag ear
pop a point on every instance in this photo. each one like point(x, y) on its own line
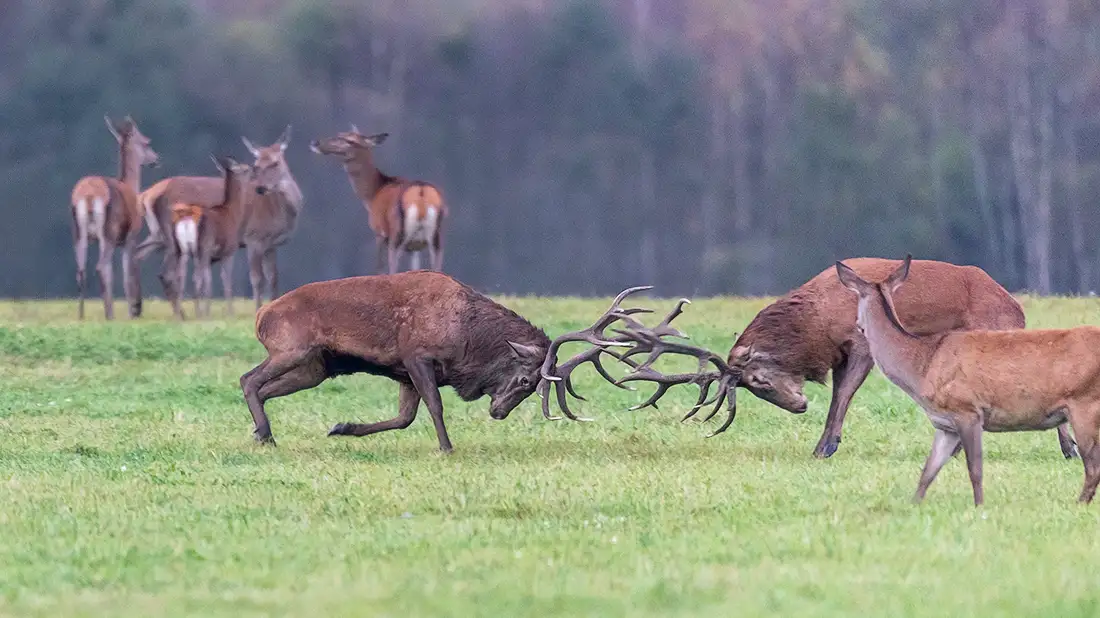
point(112, 128)
point(523, 351)
point(850, 279)
point(248, 144)
point(898, 277)
point(284, 139)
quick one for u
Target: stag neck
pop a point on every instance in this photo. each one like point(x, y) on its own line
point(129, 167)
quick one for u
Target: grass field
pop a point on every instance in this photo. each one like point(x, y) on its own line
point(130, 486)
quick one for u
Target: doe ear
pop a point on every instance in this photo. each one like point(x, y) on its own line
point(355, 129)
point(526, 351)
point(112, 128)
point(850, 279)
point(376, 139)
point(284, 139)
point(248, 144)
point(898, 277)
point(217, 162)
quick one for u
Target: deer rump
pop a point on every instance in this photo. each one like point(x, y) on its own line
point(408, 213)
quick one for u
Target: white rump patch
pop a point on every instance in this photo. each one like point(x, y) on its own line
point(187, 235)
point(99, 217)
point(82, 218)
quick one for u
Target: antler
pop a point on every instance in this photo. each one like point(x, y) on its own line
point(650, 341)
point(559, 374)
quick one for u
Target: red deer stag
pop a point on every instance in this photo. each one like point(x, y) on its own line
point(405, 215)
point(271, 216)
point(813, 329)
point(422, 329)
point(211, 235)
point(968, 382)
point(107, 210)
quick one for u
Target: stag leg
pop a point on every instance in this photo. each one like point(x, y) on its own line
point(848, 376)
point(105, 268)
point(131, 279)
point(943, 444)
point(423, 378)
point(227, 283)
point(1065, 441)
point(275, 377)
point(255, 273)
point(408, 403)
point(271, 274)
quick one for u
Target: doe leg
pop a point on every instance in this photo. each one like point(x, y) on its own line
point(131, 279)
point(394, 256)
point(105, 268)
point(943, 445)
point(847, 378)
point(408, 403)
point(255, 273)
point(423, 378)
point(80, 247)
point(435, 251)
point(227, 283)
point(970, 430)
point(271, 274)
point(414, 261)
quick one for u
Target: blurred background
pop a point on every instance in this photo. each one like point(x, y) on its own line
point(704, 146)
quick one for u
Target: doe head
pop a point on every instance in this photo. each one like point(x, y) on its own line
point(516, 380)
point(875, 294)
point(767, 378)
point(228, 165)
point(347, 144)
point(270, 165)
point(130, 138)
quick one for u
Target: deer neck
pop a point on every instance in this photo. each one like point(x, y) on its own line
point(902, 356)
point(366, 179)
point(234, 201)
point(129, 168)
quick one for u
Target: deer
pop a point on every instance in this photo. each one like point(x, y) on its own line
point(106, 210)
point(270, 219)
point(211, 235)
point(812, 330)
point(424, 330)
point(970, 382)
point(405, 215)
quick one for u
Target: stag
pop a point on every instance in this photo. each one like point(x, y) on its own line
point(271, 216)
point(405, 215)
point(968, 382)
point(422, 329)
point(211, 235)
point(107, 210)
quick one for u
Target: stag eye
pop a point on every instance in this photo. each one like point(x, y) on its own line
point(524, 381)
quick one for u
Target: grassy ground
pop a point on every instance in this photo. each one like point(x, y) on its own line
point(129, 485)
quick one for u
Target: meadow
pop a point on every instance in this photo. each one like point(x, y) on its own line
point(130, 486)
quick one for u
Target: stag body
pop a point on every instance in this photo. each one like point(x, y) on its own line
point(405, 215)
point(968, 382)
point(421, 329)
point(107, 210)
point(211, 235)
point(271, 216)
point(812, 330)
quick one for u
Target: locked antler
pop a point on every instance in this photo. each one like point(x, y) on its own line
point(651, 341)
point(559, 374)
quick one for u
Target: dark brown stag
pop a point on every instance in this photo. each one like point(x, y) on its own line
point(422, 329)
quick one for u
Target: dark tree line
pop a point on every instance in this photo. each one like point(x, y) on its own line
point(705, 146)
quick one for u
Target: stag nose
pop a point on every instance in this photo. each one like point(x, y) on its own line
point(800, 407)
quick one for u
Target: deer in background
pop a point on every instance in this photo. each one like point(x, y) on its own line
point(107, 210)
point(968, 382)
point(271, 216)
point(405, 215)
point(211, 235)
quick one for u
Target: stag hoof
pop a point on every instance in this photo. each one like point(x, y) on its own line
point(1070, 450)
point(826, 447)
point(267, 440)
point(339, 429)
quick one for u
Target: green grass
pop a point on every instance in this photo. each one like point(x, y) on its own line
point(129, 486)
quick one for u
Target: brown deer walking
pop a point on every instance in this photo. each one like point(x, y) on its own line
point(271, 216)
point(968, 382)
point(813, 329)
point(422, 329)
point(107, 210)
point(211, 235)
point(405, 215)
